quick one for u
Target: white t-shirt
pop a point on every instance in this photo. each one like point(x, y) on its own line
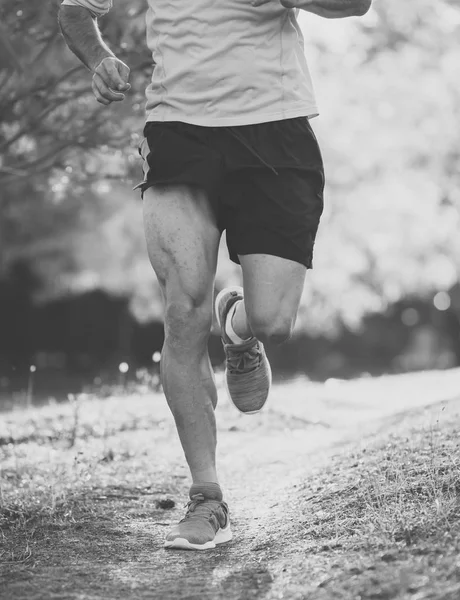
point(223, 62)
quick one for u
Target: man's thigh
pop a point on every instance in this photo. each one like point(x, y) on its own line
point(272, 289)
point(182, 241)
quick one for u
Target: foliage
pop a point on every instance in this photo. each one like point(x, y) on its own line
point(391, 151)
point(56, 142)
point(388, 96)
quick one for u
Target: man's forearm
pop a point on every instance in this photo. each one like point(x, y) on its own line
point(82, 35)
point(336, 9)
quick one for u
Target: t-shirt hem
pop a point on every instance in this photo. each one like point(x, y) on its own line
point(302, 111)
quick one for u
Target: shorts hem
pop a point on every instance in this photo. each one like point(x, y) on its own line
point(306, 262)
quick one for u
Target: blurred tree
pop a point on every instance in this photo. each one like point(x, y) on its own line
point(389, 98)
point(56, 142)
point(390, 102)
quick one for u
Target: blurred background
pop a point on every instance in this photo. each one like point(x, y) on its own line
point(79, 304)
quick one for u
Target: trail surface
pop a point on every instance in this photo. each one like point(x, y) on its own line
point(114, 549)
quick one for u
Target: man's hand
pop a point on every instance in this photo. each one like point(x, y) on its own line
point(110, 80)
point(82, 35)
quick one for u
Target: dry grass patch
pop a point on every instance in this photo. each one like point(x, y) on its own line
point(386, 519)
point(67, 468)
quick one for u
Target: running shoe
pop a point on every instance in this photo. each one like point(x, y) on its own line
point(248, 374)
point(206, 524)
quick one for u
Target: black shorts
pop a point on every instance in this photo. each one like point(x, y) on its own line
point(265, 181)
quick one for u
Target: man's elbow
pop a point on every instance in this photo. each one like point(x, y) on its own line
point(362, 7)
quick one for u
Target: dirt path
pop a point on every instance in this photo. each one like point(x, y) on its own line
point(110, 546)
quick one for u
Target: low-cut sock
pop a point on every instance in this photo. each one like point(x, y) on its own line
point(209, 489)
point(234, 337)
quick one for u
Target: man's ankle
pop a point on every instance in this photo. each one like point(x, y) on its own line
point(210, 490)
point(230, 328)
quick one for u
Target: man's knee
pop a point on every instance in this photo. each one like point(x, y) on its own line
point(272, 329)
point(187, 319)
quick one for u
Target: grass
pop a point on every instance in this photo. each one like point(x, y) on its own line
point(405, 490)
point(380, 520)
point(56, 461)
point(385, 520)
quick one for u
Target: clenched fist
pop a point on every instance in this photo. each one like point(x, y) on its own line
point(110, 80)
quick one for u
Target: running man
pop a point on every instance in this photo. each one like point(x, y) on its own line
point(227, 146)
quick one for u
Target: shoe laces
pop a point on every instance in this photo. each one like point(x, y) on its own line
point(200, 507)
point(243, 360)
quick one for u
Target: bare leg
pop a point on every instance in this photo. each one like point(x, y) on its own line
point(182, 241)
point(272, 290)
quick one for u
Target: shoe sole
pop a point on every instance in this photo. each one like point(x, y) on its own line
point(220, 295)
point(222, 536)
